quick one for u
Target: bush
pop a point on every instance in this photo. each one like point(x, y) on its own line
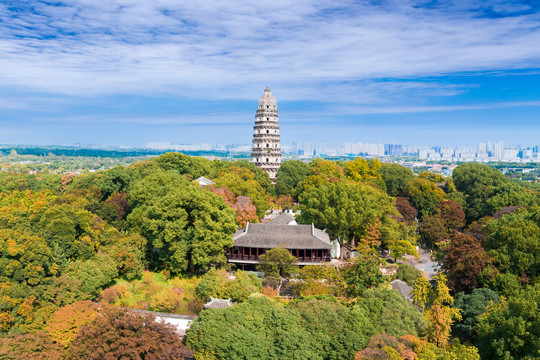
point(408, 273)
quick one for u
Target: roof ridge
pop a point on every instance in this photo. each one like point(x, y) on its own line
point(315, 236)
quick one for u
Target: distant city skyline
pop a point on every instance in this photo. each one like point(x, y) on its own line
point(481, 152)
point(126, 73)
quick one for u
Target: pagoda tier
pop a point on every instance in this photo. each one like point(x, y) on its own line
point(266, 150)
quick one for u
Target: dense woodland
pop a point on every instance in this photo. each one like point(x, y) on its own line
point(78, 250)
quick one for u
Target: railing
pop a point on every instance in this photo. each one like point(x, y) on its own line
point(271, 136)
point(300, 259)
point(265, 150)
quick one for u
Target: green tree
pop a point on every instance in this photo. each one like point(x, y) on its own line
point(115, 180)
point(24, 257)
point(289, 175)
point(363, 273)
point(326, 169)
point(424, 195)
point(487, 190)
point(277, 264)
point(185, 165)
point(220, 284)
point(391, 313)
point(396, 178)
point(472, 306)
point(187, 228)
point(509, 329)
point(347, 210)
point(319, 280)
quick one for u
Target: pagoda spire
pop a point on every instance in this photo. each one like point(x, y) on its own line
point(266, 151)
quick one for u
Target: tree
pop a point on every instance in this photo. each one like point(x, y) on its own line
point(328, 170)
point(384, 346)
point(433, 177)
point(408, 213)
point(436, 303)
point(509, 329)
point(260, 176)
point(242, 205)
point(363, 273)
point(306, 329)
point(361, 169)
point(277, 264)
point(24, 257)
point(30, 346)
point(472, 306)
point(187, 228)
point(514, 243)
point(185, 165)
point(289, 175)
point(242, 182)
point(94, 274)
point(220, 284)
point(437, 230)
point(347, 210)
point(67, 320)
point(487, 190)
point(464, 261)
point(424, 195)
point(319, 280)
point(116, 180)
point(395, 177)
point(119, 334)
point(391, 313)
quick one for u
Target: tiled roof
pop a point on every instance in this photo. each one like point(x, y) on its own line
point(204, 181)
point(402, 287)
point(289, 236)
point(218, 304)
point(283, 219)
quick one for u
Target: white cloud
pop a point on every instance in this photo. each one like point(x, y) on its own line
point(230, 49)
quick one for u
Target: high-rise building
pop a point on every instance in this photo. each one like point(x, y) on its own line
point(266, 151)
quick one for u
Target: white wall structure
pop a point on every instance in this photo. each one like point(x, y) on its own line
point(266, 151)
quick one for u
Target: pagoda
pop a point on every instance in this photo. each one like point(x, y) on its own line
point(266, 151)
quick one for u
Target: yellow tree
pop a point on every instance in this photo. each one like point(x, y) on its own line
point(438, 313)
point(361, 169)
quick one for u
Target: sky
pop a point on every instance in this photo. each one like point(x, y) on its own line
point(130, 72)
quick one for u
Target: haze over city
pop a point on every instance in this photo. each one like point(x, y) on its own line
point(133, 72)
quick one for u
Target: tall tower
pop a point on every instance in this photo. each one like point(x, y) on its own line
point(266, 151)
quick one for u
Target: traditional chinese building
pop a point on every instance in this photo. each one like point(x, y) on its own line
point(308, 244)
point(266, 151)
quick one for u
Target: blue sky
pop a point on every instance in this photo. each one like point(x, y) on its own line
point(128, 72)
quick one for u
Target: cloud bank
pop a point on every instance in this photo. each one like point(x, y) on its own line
point(357, 51)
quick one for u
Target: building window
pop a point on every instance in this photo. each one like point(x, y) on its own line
point(266, 145)
point(267, 160)
point(267, 119)
point(267, 131)
point(268, 106)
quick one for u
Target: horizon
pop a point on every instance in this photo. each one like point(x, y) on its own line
point(128, 73)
